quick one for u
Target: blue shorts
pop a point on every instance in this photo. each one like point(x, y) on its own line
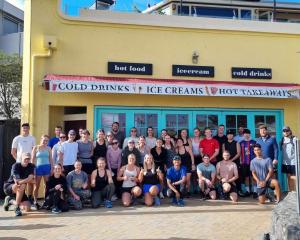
point(146, 187)
point(43, 170)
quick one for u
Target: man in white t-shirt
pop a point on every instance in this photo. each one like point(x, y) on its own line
point(22, 143)
point(68, 153)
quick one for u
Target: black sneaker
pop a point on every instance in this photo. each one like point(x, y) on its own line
point(36, 206)
point(56, 210)
point(18, 212)
point(241, 194)
point(6, 203)
point(255, 195)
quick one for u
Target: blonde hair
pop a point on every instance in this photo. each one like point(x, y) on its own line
point(145, 164)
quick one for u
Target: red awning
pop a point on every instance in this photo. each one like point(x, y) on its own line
point(123, 85)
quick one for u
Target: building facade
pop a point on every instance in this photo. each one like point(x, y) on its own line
point(167, 72)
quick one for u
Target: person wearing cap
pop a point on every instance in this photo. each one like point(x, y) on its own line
point(115, 130)
point(22, 173)
point(227, 174)
point(130, 149)
point(262, 172)
point(133, 135)
point(209, 146)
point(247, 154)
point(176, 178)
point(268, 144)
point(234, 149)
point(68, 153)
point(287, 146)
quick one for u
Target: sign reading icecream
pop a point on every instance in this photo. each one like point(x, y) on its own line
point(252, 73)
point(129, 68)
point(65, 83)
point(193, 71)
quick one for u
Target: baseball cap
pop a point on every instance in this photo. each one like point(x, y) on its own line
point(176, 158)
point(286, 128)
point(72, 132)
point(262, 126)
point(246, 130)
point(229, 131)
point(26, 156)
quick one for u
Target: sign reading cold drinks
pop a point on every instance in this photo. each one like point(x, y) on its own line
point(252, 73)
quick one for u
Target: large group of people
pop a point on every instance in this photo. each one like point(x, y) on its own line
point(86, 172)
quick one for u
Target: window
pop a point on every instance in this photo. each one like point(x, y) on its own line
point(246, 14)
point(215, 12)
point(185, 10)
point(268, 120)
point(107, 120)
point(142, 121)
point(176, 122)
point(9, 26)
point(233, 122)
point(207, 120)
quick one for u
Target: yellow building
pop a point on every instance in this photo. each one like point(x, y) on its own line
point(153, 70)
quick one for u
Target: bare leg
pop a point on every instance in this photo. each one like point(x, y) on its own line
point(233, 197)
point(148, 199)
point(126, 199)
point(20, 191)
point(188, 182)
point(213, 195)
point(275, 184)
point(36, 187)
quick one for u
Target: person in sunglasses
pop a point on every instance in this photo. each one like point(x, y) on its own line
point(130, 149)
point(57, 147)
point(133, 135)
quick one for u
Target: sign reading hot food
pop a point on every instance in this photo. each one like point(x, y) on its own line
point(193, 71)
point(255, 73)
point(130, 68)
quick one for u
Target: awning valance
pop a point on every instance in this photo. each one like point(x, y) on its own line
point(75, 83)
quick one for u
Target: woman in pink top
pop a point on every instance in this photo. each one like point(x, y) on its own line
point(113, 158)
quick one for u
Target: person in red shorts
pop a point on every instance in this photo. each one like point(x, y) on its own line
point(209, 146)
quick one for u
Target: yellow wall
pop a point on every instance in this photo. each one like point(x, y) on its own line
point(84, 48)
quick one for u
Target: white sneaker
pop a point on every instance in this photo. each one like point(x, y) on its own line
point(114, 198)
point(161, 195)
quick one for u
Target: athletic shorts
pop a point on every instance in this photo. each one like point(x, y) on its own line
point(43, 170)
point(288, 169)
point(262, 191)
point(245, 171)
point(232, 188)
point(146, 187)
point(7, 188)
point(88, 168)
point(126, 189)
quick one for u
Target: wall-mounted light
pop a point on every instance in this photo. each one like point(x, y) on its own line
point(195, 57)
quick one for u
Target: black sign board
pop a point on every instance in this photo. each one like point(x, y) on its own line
point(255, 73)
point(193, 71)
point(130, 68)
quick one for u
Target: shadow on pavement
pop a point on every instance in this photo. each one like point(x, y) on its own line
point(172, 238)
point(12, 238)
point(28, 227)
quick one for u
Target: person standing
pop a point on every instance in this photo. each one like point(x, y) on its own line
point(287, 145)
point(150, 139)
point(221, 138)
point(22, 173)
point(186, 140)
point(143, 149)
point(23, 143)
point(85, 152)
point(115, 130)
point(68, 153)
point(171, 150)
point(133, 135)
point(209, 146)
point(57, 147)
point(54, 140)
point(239, 137)
point(100, 146)
point(262, 172)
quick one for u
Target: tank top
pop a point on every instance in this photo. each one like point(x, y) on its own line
point(42, 157)
point(231, 148)
point(150, 178)
point(186, 159)
point(195, 147)
point(186, 144)
point(101, 182)
point(129, 183)
point(100, 150)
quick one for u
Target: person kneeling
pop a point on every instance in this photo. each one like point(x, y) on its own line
point(227, 173)
point(22, 173)
point(102, 185)
point(176, 177)
point(77, 184)
point(150, 178)
point(207, 176)
point(129, 175)
point(262, 172)
point(56, 191)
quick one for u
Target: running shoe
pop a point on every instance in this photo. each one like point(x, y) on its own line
point(180, 203)
point(6, 203)
point(56, 210)
point(108, 204)
point(156, 201)
point(174, 201)
point(18, 212)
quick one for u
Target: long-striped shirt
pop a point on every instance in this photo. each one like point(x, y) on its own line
point(247, 153)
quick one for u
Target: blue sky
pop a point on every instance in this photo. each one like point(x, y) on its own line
point(73, 6)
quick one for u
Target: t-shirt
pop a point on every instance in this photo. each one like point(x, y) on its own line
point(176, 175)
point(70, 150)
point(75, 181)
point(53, 141)
point(247, 151)
point(209, 146)
point(228, 169)
point(23, 145)
point(150, 142)
point(20, 172)
point(206, 171)
point(261, 167)
point(288, 151)
point(55, 152)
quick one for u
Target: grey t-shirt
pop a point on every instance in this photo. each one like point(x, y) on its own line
point(206, 171)
point(288, 151)
point(261, 167)
point(85, 151)
point(75, 181)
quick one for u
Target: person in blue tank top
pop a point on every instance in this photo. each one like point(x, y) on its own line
point(42, 158)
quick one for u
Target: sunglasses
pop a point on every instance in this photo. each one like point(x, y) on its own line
point(115, 142)
point(131, 142)
point(285, 130)
point(62, 137)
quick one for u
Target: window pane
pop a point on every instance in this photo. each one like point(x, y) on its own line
point(242, 121)
point(271, 124)
point(139, 120)
point(230, 121)
point(171, 121)
point(212, 121)
point(185, 10)
point(201, 121)
point(9, 26)
point(183, 121)
point(108, 118)
point(259, 120)
point(152, 120)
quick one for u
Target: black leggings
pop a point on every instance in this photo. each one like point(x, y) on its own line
point(54, 200)
point(180, 188)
